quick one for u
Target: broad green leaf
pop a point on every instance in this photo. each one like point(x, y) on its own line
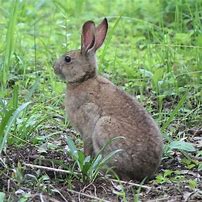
point(182, 145)
point(81, 159)
point(2, 196)
point(192, 184)
point(87, 159)
point(200, 167)
point(72, 148)
point(146, 73)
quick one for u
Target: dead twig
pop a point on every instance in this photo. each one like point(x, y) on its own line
point(49, 168)
point(132, 184)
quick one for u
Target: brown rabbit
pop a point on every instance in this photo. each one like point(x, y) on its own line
point(100, 111)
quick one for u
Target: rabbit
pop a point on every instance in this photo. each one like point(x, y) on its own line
point(100, 111)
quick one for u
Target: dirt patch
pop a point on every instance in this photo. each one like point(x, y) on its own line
point(175, 182)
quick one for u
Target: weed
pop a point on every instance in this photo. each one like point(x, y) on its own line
point(90, 166)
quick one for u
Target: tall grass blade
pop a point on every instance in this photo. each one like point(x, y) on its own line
point(32, 90)
point(108, 143)
point(9, 44)
point(110, 155)
point(10, 123)
point(137, 194)
point(4, 122)
point(174, 113)
point(62, 6)
point(14, 100)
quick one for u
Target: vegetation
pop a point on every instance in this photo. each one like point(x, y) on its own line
point(153, 51)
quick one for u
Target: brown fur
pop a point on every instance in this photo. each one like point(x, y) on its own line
point(100, 111)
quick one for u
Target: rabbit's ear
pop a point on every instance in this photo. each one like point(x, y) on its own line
point(101, 32)
point(88, 36)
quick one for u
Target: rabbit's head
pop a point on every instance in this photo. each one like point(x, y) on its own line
point(79, 65)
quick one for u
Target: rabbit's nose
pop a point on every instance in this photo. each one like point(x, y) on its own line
point(56, 67)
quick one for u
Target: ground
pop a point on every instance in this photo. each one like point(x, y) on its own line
point(23, 179)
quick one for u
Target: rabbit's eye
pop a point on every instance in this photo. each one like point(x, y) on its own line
point(67, 59)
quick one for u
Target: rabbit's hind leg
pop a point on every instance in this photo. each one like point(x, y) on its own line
point(105, 129)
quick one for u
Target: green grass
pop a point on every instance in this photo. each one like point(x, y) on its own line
point(10, 43)
point(153, 50)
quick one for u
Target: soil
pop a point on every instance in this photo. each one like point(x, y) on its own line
point(176, 180)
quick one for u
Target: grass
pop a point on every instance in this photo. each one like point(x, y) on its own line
point(10, 42)
point(89, 166)
point(153, 51)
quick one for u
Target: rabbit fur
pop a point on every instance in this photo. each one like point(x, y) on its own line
point(100, 111)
